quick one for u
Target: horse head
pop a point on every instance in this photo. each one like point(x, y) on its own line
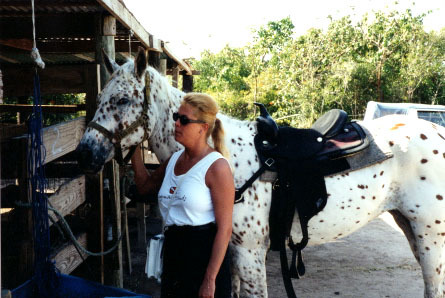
point(122, 119)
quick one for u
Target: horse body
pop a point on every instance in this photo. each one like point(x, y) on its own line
point(410, 184)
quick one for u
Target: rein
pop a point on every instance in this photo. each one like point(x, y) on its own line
point(117, 137)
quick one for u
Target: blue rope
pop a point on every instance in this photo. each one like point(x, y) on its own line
point(45, 273)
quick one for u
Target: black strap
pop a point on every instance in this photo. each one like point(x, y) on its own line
point(286, 273)
point(239, 192)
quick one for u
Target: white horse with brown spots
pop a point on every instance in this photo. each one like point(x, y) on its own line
point(411, 185)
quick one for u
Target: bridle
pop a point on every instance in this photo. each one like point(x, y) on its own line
point(117, 137)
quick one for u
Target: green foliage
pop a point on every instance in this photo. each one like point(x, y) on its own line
point(48, 118)
point(384, 57)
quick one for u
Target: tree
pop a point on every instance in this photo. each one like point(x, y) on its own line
point(385, 57)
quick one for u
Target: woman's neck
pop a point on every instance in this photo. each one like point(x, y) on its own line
point(197, 152)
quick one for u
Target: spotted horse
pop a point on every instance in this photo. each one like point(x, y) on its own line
point(410, 185)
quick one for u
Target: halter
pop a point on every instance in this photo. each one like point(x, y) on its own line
point(117, 137)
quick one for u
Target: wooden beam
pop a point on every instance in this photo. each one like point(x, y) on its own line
point(67, 258)
point(84, 57)
point(9, 59)
point(60, 79)
point(126, 18)
point(62, 138)
point(45, 108)
point(179, 61)
point(170, 72)
point(58, 25)
point(68, 196)
point(68, 46)
point(19, 43)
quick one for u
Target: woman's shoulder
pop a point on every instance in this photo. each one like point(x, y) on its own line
point(219, 166)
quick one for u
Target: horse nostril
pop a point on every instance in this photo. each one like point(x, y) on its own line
point(84, 156)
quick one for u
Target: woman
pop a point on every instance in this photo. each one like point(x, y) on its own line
point(196, 195)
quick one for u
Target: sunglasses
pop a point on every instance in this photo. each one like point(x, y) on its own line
point(184, 120)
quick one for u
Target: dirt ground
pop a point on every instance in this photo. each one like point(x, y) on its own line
point(375, 261)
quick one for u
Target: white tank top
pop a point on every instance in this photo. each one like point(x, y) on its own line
point(186, 198)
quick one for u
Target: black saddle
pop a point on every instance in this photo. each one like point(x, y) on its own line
point(331, 136)
point(302, 158)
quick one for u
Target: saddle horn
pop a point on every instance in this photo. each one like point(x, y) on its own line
point(266, 125)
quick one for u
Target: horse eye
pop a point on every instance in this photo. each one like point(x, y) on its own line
point(123, 101)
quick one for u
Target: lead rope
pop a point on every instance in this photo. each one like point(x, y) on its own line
point(35, 55)
point(46, 276)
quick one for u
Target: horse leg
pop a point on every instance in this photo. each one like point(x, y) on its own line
point(405, 225)
point(430, 245)
point(249, 272)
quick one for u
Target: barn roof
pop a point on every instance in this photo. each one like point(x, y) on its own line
point(65, 32)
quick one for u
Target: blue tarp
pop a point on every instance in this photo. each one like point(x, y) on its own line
point(75, 287)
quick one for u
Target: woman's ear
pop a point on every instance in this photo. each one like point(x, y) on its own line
point(205, 127)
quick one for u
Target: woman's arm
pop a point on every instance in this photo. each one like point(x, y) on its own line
point(146, 183)
point(219, 179)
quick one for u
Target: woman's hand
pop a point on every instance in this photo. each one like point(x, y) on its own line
point(207, 289)
point(145, 182)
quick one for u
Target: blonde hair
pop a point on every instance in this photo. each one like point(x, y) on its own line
point(206, 109)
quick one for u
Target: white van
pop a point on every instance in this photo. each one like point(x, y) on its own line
point(433, 113)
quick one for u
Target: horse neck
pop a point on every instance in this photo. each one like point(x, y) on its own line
point(238, 133)
point(164, 100)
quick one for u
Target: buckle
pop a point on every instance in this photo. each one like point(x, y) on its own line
point(269, 162)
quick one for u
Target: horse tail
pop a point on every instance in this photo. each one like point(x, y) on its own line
point(218, 139)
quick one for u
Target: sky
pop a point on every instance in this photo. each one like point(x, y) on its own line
point(191, 26)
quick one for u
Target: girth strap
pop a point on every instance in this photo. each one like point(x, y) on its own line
point(267, 165)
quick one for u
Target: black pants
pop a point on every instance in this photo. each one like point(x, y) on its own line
point(187, 253)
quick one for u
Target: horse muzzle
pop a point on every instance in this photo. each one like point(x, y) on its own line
point(90, 161)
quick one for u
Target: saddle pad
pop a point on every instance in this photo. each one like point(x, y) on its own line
point(376, 152)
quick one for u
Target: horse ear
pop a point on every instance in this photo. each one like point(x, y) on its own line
point(110, 64)
point(141, 62)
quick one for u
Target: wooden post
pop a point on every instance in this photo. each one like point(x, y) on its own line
point(154, 59)
point(125, 225)
point(187, 83)
point(26, 264)
point(163, 67)
point(102, 244)
point(142, 229)
point(1, 87)
point(175, 76)
point(105, 31)
point(140, 208)
point(93, 89)
point(117, 268)
point(105, 41)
